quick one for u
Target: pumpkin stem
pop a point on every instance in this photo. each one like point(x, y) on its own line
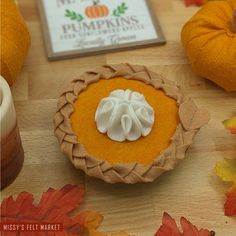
point(95, 2)
point(234, 21)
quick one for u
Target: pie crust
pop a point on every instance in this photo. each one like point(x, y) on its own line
point(190, 116)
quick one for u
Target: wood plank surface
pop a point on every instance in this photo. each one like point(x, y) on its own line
point(191, 190)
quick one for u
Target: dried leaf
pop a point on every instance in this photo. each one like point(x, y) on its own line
point(230, 204)
point(53, 207)
point(230, 125)
point(170, 228)
point(226, 170)
point(196, 2)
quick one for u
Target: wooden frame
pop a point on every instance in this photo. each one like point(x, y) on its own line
point(98, 50)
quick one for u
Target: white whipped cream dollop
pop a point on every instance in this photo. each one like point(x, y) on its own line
point(124, 115)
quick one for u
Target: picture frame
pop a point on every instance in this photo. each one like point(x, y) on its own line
point(54, 54)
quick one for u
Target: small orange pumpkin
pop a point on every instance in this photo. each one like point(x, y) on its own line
point(209, 39)
point(96, 10)
point(14, 40)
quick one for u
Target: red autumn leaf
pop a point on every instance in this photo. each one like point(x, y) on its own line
point(170, 228)
point(191, 230)
point(53, 207)
point(230, 204)
point(196, 2)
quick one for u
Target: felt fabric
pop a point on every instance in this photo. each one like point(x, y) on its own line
point(210, 43)
point(15, 40)
point(191, 119)
point(145, 149)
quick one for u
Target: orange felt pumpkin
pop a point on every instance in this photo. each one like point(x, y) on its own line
point(209, 39)
point(14, 40)
point(96, 10)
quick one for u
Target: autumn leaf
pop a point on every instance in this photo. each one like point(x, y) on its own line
point(54, 207)
point(230, 125)
point(226, 170)
point(191, 230)
point(170, 228)
point(92, 221)
point(230, 204)
point(196, 2)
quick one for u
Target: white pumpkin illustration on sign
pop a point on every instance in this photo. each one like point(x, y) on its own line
point(124, 115)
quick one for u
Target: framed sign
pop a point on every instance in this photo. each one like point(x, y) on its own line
point(75, 28)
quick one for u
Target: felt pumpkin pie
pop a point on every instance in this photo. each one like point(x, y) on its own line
point(125, 123)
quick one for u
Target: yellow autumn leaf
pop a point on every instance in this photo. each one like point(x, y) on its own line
point(92, 221)
point(226, 170)
point(230, 125)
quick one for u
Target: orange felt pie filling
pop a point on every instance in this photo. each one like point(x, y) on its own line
point(143, 150)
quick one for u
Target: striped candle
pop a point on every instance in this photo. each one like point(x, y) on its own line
point(12, 154)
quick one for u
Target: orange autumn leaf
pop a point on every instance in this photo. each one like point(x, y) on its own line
point(54, 207)
point(170, 228)
point(92, 221)
point(230, 204)
point(230, 125)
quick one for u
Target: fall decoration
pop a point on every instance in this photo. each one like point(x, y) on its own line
point(15, 40)
point(122, 162)
point(230, 125)
point(170, 228)
point(209, 39)
point(97, 10)
point(230, 204)
point(226, 170)
point(83, 122)
point(54, 207)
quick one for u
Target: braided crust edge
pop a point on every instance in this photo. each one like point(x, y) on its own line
point(191, 120)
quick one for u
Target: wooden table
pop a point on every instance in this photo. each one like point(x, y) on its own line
point(191, 190)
